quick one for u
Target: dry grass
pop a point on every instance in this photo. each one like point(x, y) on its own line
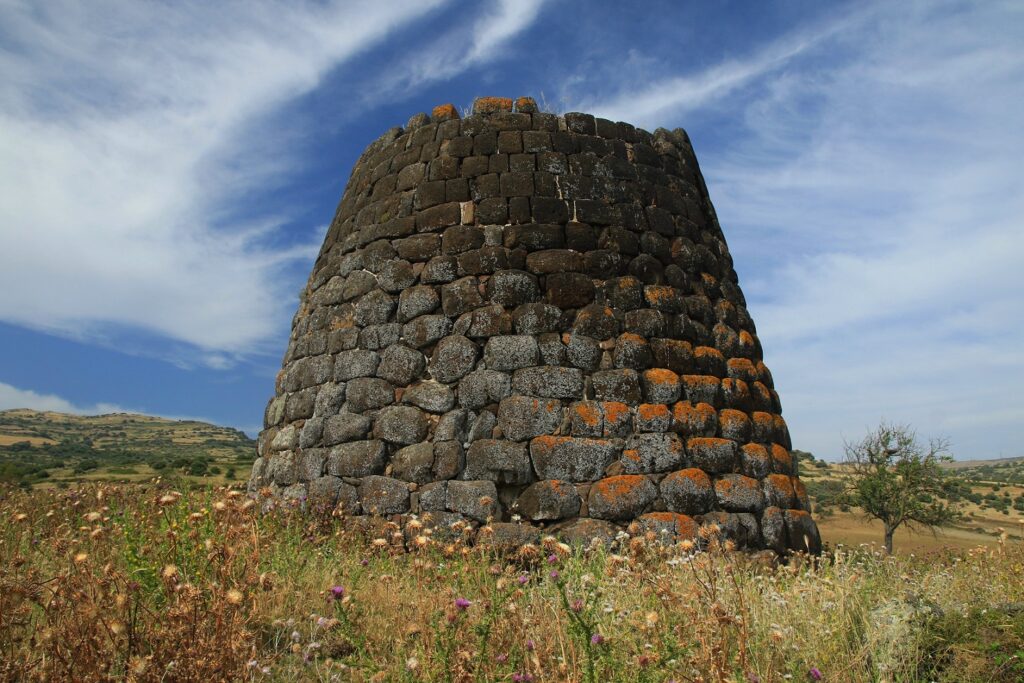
point(138, 583)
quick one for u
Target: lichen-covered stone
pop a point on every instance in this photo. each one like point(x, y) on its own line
point(616, 385)
point(688, 491)
point(401, 425)
point(713, 455)
point(572, 458)
point(738, 493)
point(621, 497)
point(660, 386)
point(524, 417)
point(414, 463)
point(504, 462)
point(400, 365)
point(511, 352)
point(368, 393)
point(669, 527)
point(548, 382)
point(802, 533)
point(383, 496)
point(453, 359)
point(430, 396)
point(475, 499)
point(345, 427)
point(357, 459)
point(648, 453)
point(547, 500)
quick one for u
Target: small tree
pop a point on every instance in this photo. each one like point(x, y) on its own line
point(897, 480)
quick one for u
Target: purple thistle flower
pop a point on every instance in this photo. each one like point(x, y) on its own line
point(337, 592)
point(523, 579)
point(576, 606)
point(462, 604)
point(554, 574)
point(530, 645)
point(552, 558)
point(502, 658)
point(597, 639)
point(521, 678)
point(815, 673)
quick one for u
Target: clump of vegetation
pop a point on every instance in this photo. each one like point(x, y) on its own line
point(142, 583)
point(897, 480)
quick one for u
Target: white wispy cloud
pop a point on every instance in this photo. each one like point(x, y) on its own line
point(874, 204)
point(477, 40)
point(13, 397)
point(130, 133)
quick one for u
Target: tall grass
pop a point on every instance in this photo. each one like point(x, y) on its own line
point(140, 583)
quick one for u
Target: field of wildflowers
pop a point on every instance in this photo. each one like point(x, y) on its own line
point(143, 583)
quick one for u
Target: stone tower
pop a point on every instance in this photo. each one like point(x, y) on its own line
point(531, 320)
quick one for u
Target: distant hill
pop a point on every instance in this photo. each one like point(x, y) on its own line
point(50, 448)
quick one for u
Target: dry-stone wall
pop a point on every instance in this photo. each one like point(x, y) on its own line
point(531, 320)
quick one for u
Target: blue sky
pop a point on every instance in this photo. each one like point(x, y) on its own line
point(168, 170)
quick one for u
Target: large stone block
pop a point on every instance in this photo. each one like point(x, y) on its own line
point(524, 417)
point(688, 491)
point(622, 497)
point(504, 462)
point(401, 425)
point(549, 500)
point(572, 458)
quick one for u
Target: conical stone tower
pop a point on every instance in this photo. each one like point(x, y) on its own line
point(531, 320)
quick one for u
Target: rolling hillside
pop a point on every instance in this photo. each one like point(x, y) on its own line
point(46, 448)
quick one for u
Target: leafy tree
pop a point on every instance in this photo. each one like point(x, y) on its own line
point(897, 480)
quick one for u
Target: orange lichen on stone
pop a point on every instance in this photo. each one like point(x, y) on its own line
point(661, 376)
point(444, 112)
point(761, 393)
point(782, 459)
point(700, 417)
point(527, 105)
point(746, 339)
point(763, 421)
point(631, 338)
point(489, 105)
point(652, 411)
point(614, 411)
point(799, 490)
point(548, 442)
point(708, 351)
point(588, 413)
point(656, 294)
point(681, 526)
point(631, 454)
point(783, 483)
point(694, 474)
point(742, 368)
point(730, 419)
point(617, 487)
point(755, 451)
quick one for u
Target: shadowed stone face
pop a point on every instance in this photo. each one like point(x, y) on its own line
point(524, 319)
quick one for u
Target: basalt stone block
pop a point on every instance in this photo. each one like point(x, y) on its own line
point(688, 491)
point(345, 427)
point(430, 396)
point(622, 497)
point(477, 500)
point(368, 393)
point(401, 365)
point(414, 463)
point(525, 313)
point(357, 459)
point(401, 425)
point(504, 462)
point(617, 385)
point(511, 352)
point(524, 417)
point(648, 453)
point(383, 496)
point(584, 531)
point(669, 527)
point(738, 493)
point(548, 382)
point(549, 500)
point(454, 357)
point(572, 458)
